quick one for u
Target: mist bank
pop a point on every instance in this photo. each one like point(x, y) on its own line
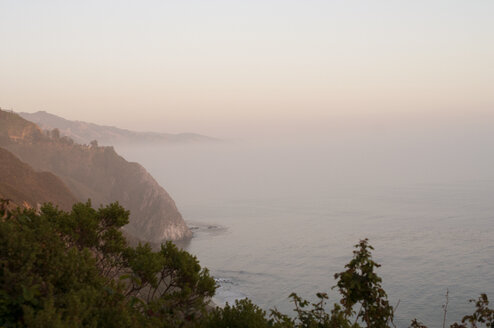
point(421, 191)
point(304, 161)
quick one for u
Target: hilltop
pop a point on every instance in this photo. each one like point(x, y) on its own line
point(97, 173)
point(84, 132)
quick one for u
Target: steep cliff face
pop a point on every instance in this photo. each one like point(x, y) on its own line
point(23, 186)
point(100, 174)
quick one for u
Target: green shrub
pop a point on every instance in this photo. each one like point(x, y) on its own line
point(75, 269)
point(60, 269)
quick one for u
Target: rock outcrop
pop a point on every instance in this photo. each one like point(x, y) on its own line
point(23, 186)
point(99, 174)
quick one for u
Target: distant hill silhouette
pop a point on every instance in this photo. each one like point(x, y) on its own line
point(84, 133)
point(25, 187)
point(98, 173)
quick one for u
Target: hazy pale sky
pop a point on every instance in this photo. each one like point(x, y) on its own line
point(216, 67)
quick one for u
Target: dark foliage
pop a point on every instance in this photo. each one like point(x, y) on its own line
point(75, 269)
point(60, 269)
point(363, 303)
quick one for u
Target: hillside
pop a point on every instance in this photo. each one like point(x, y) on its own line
point(98, 173)
point(84, 133)
point(23, 186)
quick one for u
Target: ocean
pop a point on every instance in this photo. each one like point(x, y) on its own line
point(269, 219)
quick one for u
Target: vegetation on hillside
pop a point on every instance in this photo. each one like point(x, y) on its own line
point(75, 269)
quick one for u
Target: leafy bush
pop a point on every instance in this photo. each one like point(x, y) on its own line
point(243, 314)
point(75, 269)
point(60, 269)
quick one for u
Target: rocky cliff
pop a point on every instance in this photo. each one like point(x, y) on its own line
point(98, 173)
point(23, 186)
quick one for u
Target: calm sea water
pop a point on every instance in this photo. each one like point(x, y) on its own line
point(274, 221)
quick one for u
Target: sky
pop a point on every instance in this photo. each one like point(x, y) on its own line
point(226, 67)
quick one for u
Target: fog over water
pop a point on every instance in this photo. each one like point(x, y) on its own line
point(340, 120)
point(275, 212)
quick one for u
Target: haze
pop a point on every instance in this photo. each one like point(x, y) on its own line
point(224, 68)
point(338, 120)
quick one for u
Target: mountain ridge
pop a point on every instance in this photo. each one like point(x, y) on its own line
point(85, 132)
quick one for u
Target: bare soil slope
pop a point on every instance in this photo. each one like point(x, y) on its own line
point(21, 184)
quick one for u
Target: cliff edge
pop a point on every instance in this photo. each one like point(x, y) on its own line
point(98, 173)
